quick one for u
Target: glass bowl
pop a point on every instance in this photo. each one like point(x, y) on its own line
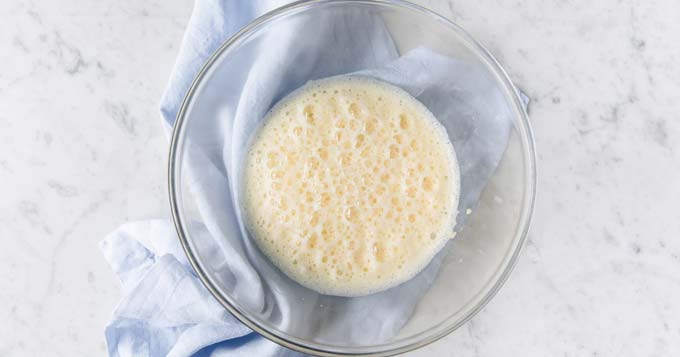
point(455, 77)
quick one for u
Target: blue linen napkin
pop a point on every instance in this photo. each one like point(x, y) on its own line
point(165, 309)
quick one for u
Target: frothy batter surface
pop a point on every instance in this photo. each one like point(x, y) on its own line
point(351, 186)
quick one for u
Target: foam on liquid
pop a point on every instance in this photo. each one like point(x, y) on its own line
point(351, 186)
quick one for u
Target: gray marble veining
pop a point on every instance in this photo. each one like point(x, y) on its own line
point(82, 150)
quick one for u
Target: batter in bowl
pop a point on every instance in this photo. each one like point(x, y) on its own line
point(351, 186)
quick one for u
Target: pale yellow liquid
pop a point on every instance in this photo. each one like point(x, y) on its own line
point(351, 186)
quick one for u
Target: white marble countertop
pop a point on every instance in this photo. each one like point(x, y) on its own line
point(82, 151)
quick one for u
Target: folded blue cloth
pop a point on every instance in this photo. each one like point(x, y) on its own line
point(167, 311)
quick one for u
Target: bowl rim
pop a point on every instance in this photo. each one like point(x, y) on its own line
point(387, 349)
